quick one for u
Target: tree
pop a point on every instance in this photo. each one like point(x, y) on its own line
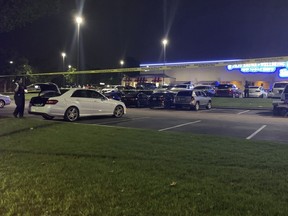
point(17, 13)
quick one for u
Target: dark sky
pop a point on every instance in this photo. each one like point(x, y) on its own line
point(114, 29)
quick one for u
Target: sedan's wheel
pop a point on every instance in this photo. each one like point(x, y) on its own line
point(197, 106)
point(47, 117)
point(118, 111)
point(2, 103)
point(209, 105)
point(71, 114)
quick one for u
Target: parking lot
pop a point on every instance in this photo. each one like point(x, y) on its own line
point(244, 124)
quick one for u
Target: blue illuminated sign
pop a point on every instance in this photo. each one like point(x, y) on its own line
point(265, 67)
point(283, 73)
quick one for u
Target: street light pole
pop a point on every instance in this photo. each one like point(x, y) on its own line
point(164, 42)
point(79, 21)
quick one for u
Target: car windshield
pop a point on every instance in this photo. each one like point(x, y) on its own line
point(280, 85)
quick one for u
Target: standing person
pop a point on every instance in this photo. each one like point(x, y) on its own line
point(246, 90)
point(19, 97)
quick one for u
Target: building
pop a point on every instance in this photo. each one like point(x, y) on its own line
point(262, 71)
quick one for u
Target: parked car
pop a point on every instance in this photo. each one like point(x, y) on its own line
point(280, 107)
point(179, 87)
point(257, 91)
point(116, 95)
point(76, 103)
point(284, 95)
point(277, 89)
point(208, 89)
point(137, 99)
point(4, 100)
point(228, 90)
point(111, 88)
point(146, 86)
point(193, 99)
point(164, 99)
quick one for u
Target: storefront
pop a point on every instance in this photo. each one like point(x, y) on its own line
point(256, 72)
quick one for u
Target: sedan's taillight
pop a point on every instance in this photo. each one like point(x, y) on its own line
point(52, 102)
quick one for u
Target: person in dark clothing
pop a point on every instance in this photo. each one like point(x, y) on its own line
point(246, 89)
point(19, 97)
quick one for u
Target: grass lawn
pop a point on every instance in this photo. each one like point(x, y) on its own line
point(242, 103)
point(56, 168)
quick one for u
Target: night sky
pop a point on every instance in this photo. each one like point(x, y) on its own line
point(115, 29)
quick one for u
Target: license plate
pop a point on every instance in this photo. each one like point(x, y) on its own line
point(36, 109)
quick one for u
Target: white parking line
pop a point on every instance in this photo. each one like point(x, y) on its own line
point(181, 125)
point(243, 112)
point(256, 132)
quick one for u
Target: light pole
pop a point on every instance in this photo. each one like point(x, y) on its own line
point(79, 21)
point(63, 54)
point(164, 42)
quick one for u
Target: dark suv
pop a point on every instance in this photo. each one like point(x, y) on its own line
point(228, 90)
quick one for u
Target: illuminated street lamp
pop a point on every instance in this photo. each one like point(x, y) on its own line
point(63, 54)
point(164, 42)
point(122, 63)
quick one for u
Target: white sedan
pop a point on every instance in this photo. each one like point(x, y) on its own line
point(4, 100)
point(76, 103)
point(257, 91)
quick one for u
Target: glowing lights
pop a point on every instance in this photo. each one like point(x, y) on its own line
point(79, 20)
point(187, 63)
point(264, 67)
point(164, 42)
point(283, 73)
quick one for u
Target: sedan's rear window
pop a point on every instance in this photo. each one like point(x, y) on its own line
point(184, 93)
point(224, 86)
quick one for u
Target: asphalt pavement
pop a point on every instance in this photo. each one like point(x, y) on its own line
point(259, 124)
